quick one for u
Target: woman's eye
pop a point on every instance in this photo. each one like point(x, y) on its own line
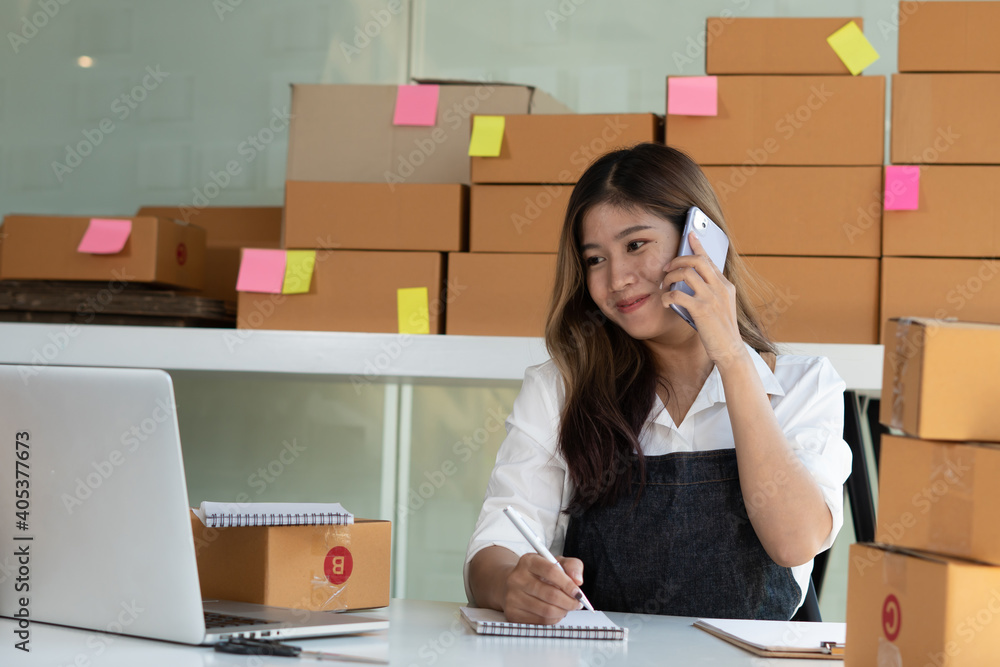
point(635, 245)
point(592, 261)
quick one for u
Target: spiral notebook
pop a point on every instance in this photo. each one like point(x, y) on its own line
point(230, 515)
point(575, 625)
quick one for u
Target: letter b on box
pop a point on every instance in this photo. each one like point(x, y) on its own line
point(338, 565)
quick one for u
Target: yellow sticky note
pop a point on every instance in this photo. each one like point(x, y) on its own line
point(414, 315)
point(853, 48)
point(487, 136)
point(299, 265)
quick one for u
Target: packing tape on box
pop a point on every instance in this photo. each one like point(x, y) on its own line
point(899, 362)
point(329, 584)
point(894, 571)
point(888, 654)
point(949, 494)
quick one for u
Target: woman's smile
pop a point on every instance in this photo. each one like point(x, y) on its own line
point(632, 304)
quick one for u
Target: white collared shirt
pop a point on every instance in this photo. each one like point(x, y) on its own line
point(807, 396)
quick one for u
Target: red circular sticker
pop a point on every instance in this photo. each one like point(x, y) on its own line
point(892, 618)
point(338, 565)
point(182, 254)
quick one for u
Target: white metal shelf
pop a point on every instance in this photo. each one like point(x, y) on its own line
point(375, 357)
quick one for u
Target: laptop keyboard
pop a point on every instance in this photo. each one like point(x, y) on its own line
point(214, 620)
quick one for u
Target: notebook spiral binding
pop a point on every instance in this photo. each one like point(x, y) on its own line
point(563, 632)
point(270, 519)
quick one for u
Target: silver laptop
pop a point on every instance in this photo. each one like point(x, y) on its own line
point(94, 503)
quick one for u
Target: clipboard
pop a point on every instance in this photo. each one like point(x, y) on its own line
point(780, 639)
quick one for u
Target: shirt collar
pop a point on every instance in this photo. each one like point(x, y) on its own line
point(712, 391)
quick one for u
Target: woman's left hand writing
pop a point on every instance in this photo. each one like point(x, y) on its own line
point(713, 306)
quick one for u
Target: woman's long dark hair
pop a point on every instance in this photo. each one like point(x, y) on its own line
point(611, 378)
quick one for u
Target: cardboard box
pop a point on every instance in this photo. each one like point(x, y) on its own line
point(321, 568)
point(913, 608)
point(517, 218)
point(351, 290)
point(227, 229)
point(376, 216)
point(940, 496)
point(958, 215)
point(788, 120)
point(500, 294)
point(773, 45)
point(940, 379)
point(940, 288)
point(158, 251)
point(345, 132)
point(949, 37)
point(227, 226)
point(773, 210)
point(945, 119)
point(559, 148)
point(818, 299)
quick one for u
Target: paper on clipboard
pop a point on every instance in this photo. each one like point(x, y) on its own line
point(780, 639)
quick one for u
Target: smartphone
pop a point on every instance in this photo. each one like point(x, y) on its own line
point(715, 242)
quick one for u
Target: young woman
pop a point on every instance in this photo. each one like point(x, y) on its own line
point(672, 470)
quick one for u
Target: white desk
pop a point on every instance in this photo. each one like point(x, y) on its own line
point(421, 634)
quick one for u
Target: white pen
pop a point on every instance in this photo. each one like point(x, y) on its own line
point(518, 521)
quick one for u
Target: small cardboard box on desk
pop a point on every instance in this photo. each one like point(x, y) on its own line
point(320, 568)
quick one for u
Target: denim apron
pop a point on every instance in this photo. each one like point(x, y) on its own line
point(686, 549)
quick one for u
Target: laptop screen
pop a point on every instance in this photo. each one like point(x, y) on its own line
point(103, 522)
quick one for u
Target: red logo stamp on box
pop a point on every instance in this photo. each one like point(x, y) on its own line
point(182, 254)
point(338, 565)
point(892, 618)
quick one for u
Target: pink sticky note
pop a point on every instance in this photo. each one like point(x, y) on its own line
point(105, 236)
point(902, 188)
point(416, 105)
point(261, 271)
point(693, 96)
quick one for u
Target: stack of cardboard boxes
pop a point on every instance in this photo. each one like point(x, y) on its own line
point(519, 200)
point(794, 153)
point(377, 186)
point(928, 593)
point(940, 258)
